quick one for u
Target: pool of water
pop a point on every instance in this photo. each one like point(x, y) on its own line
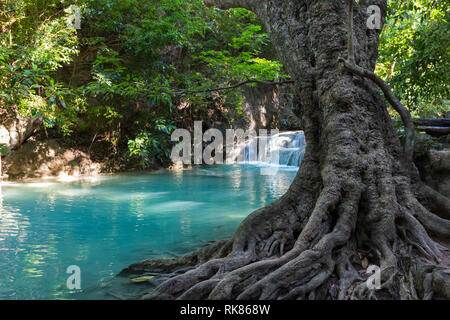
point(103, 224)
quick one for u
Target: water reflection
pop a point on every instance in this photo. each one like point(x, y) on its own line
point(104, 224)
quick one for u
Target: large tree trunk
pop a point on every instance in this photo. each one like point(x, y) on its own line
point(355, 194)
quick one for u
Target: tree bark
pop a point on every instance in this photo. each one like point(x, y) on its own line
point(355, 196)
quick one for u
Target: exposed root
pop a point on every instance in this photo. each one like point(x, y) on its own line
point(346, 271)
point(434, 201)
point(322, 261)
point(432, 223)
point(292, 251)
point(356, 200)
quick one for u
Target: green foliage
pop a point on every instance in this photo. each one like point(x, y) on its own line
point(4, 150)
point(173, 45)
point(145, 52)
point(36, 41)
point(414, 50)
point(153, 144)
point(137, 57)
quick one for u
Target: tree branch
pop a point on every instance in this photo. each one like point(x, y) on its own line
point(272, 83)
point(228, 4)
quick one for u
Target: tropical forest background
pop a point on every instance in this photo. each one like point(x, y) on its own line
point(136, 70)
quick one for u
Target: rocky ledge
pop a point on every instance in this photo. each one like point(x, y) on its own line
point(37, 159)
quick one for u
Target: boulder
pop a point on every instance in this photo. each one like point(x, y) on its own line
point(38, 159)
point(15, 129)
point(434, 168)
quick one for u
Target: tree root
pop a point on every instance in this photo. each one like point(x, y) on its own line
point(323, 260)
point(356, 200)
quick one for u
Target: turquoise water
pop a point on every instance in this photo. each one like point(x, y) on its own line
point(103, 224)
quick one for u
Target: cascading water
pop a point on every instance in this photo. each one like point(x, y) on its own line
point(282, 149)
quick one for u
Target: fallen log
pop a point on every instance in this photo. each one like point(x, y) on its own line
point(432, 122)
point(434, 131)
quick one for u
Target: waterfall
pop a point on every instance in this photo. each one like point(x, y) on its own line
point(283, 149)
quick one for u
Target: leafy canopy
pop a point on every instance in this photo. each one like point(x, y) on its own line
point(414, 54)
point(133, 58)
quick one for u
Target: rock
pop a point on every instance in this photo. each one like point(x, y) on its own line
point(440, 166)
point(15, 129)
point(37, 159)
point(440, 159)
point(434, 168)
point(269, 107)
point(179, 167)
point(141, 279)
point(441, 283)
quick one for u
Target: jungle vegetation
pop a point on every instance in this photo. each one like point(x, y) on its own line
point(120, 77)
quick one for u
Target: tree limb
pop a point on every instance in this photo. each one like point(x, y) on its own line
point(432, 122)
point(228, 4)
point(273, 83)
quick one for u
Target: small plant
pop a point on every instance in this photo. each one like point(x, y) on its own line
point(4, 149)
point(153, 144)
